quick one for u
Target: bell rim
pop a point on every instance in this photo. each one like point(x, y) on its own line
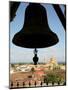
point(39, 43)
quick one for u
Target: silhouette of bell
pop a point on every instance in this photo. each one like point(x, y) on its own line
point(35, 32)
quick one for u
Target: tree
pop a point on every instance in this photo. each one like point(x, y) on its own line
point(54, 76)
point(51, 78)
point(32, 69)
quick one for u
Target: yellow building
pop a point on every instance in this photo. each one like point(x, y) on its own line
point(52, 64)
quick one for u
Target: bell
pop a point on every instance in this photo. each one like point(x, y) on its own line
point(36, 32)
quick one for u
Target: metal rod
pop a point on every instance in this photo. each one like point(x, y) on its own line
point(35, 58)
point(60, 15)
point(35, 51)
point(13, 8)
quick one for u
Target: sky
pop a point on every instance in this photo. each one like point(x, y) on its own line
point(20, 55)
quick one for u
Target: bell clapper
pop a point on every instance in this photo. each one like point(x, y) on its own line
point(35, 58)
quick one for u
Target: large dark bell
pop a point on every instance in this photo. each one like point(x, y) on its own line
point(35, 32)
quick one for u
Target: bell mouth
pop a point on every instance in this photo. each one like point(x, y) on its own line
point(35, 40)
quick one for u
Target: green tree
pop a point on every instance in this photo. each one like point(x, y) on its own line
point(32, 69)
point(51, 78)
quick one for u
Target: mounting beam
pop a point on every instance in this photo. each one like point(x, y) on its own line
point(13, 8)
point(60, 15)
